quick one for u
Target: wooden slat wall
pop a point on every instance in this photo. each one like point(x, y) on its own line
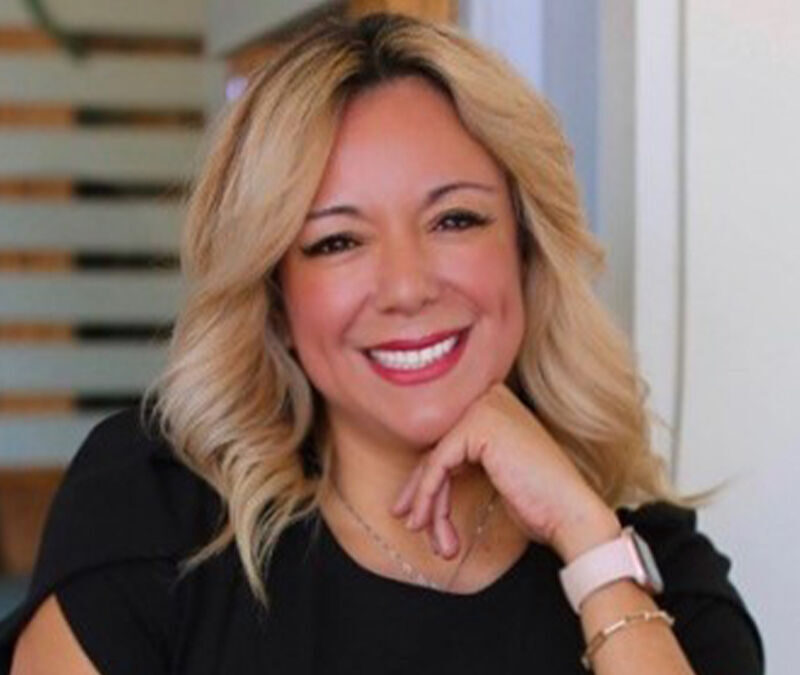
point(95, 154)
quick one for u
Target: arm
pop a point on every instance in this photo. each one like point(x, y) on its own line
point(552, 503)
point(47, 645)
point(646, 647)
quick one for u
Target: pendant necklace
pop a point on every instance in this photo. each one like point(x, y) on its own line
point(406, 567)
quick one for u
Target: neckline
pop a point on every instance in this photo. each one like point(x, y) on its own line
point(353, 567)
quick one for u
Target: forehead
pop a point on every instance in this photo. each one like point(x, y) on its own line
point(403, 135)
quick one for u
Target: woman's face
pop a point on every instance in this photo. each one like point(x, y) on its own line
point(402, 291)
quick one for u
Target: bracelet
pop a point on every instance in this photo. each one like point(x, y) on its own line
point(628, 620)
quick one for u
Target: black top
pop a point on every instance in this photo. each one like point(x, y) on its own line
point(127, 511)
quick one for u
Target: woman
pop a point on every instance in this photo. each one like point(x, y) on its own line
point(395, 393)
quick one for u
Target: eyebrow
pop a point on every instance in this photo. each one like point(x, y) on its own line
point(431, 198)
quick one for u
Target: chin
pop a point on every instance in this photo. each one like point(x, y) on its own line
point(428, 427)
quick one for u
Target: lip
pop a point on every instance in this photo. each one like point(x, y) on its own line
point(416, 344)
point(430, 372)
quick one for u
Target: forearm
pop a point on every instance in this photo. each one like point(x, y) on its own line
point(641, 646)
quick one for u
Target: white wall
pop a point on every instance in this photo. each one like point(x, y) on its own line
point(743, 295)
point(697, 202)
point(722, 332)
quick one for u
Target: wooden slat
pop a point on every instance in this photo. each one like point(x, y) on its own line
point(36, 115)
point(53, 403)
point(42, 439)
point(35, 332)
point(19, 38)
point(48, 332)
point(134, 82)
point(25, 498)
point(41, 115)
point(59, 190)
point(95, 117)
point(116, 296)
point(16, 39)
point(34, 403)
point(101, 225)
point(59, 261)
point(123, 192)
point(97, 368)
point(104, 154)
point(35, 261)
point(155, 17)
point(52, 189)
point(432, 10)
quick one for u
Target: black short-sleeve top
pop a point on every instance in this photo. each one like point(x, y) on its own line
point(128, 512)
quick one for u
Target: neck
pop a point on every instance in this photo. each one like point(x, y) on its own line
point(370, 474)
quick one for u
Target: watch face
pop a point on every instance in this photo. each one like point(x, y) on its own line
point(648, 562)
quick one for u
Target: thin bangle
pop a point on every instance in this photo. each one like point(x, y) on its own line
point(602, 636)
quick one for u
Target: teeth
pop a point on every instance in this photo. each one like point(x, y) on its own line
point(413, 359)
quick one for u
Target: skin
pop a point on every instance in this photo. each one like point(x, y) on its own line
point(433, 452)
point(394, 265)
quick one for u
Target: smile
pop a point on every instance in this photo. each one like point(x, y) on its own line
point(406, 366)
point(409, 359)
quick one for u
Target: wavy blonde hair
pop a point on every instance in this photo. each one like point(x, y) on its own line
point(235, 405)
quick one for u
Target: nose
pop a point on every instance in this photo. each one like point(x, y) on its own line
point(407, 277)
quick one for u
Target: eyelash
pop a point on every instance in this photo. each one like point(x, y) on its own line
point(338, 243)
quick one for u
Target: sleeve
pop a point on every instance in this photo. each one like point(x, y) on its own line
point(123, 516)
point(712, 623)
point(120, 616)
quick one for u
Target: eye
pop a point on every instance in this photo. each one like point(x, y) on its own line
point(335, 243)
point(461, 220)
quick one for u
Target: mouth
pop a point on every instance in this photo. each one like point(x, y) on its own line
point(414, 361)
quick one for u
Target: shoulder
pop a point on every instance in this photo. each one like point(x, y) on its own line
point(687, 558)
point(132, 468)
point(125, 494)
point(126, 512)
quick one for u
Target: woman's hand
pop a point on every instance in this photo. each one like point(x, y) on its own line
point(542, 490)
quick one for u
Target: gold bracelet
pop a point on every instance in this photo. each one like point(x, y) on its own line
point(629, 619)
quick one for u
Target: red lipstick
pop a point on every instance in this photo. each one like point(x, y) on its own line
point(417, 344)
point(430, 372)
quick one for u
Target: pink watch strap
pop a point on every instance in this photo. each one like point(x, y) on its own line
point(602, 565)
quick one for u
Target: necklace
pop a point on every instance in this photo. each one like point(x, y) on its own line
point(406, 567)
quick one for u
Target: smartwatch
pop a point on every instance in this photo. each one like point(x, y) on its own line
point(626, 557)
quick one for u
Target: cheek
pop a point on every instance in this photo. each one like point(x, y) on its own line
point(320, 306)
point(491, 278)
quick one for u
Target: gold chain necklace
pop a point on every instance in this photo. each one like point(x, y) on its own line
point(406, 567)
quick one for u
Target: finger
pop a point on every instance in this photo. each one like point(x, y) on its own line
point(403, 503)
point(444, 459)
point(442, 509)
point(432, 541)
point(441, 506)
point(444, 532)
point(446, 537)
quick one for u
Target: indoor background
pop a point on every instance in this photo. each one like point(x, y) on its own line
point(683, 115)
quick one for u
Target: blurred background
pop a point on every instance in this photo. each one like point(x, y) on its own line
point(683, 115)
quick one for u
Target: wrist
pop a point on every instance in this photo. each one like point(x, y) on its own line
point(584, 530)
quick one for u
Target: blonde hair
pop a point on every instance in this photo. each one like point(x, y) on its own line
point(233, 402)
